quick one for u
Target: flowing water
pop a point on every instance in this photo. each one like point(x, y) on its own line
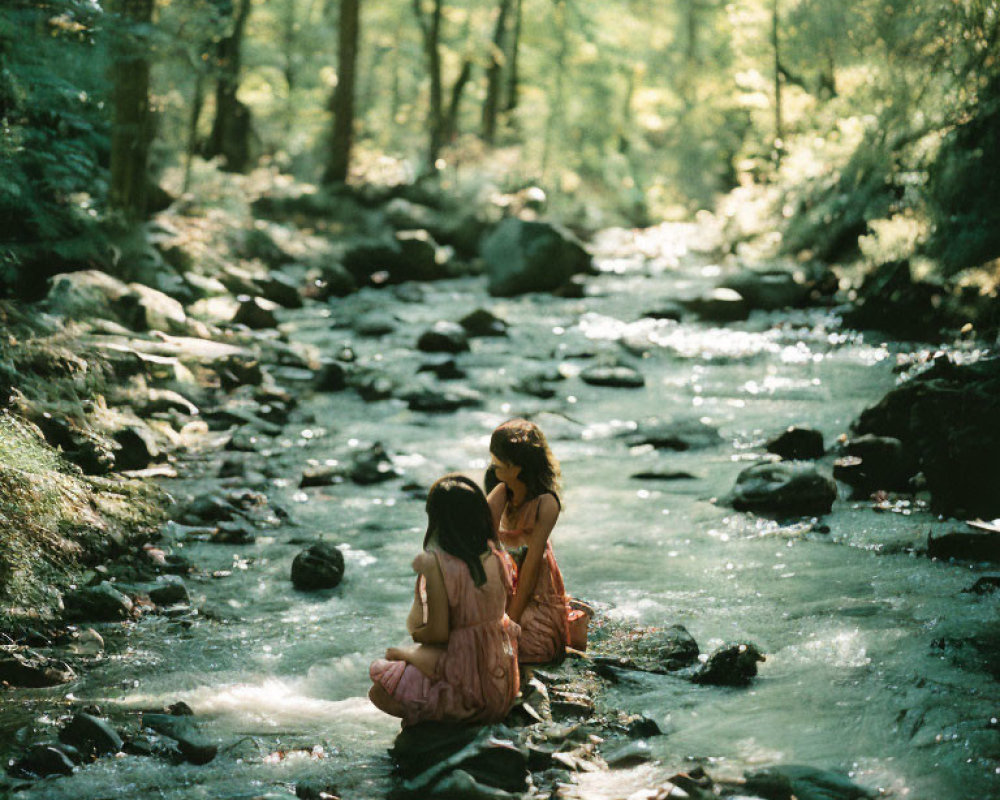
point(872, 667)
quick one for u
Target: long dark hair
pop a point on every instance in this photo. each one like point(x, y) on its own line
point(459, 521)
point(522, 443)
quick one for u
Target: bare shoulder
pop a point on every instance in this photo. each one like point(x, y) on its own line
point(425, 561)
point(548, 507)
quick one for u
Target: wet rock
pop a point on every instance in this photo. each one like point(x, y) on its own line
point(985, 584)
point(797, 443)
point(444, 368)
point(959, 459)
point(239, 370)
point(663, 475)
point(373, 386)
point(628, 754)
point(320, 566)
point(408, 256)
point(538, 385)
point(42, 760)
point(523, 256)
point(967, 545)
point(665, 650)
point(730, 665)
point(890, 300)
point(91, 735)
point(437, 401)
point(785, 487)
point(332, 377)
point(483, 323)
point(233, 532)
point(33, 670)
point(280, 288)
point(138, 448)
point(444, 337)
point(805, 783)
point(100, 603)
point(192, 743)
point(372, 466)
point(874, 462)
point(147, 309)
point(375, 324)
point(321, 475)
point(170, 590)
point(256, 313)
point(620, 377)
point(669, 311)
point(685, 433)
point(333, 280)
point(87, 642)
point(165, 401)
point(768, 289)
point(489, 755)
point(719, 305)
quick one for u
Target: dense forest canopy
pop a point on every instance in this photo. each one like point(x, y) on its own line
point(873, 123)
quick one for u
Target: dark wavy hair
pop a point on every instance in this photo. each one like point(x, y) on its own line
point(522, 443)
point(459, 522)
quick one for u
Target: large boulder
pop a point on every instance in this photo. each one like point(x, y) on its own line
point(948, 420)
point(797, 443)
point(320, 566)
point(768, 289)
point(100, 603)
point(730, 665)
point(681, 433)
point(803, 782)
point(526, 257)
point(91, 735)
point(785, 487)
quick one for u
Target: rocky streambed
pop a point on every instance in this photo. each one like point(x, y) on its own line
point(777, 614)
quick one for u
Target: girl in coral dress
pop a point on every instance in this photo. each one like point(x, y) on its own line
point(525, 505)
point(463, 665)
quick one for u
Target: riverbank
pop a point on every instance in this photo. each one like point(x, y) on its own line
point(327, 422)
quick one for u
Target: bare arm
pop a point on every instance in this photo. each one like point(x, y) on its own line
point(435, 630)
point(418, 611)
point(497, 500)
point(548, 513)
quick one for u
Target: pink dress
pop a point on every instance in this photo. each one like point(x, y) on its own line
point(476, 678)
point(545, 620)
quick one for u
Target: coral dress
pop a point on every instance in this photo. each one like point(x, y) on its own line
point(545, 620)
point(476, 678)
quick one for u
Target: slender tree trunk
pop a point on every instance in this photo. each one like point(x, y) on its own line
point(197, 102)
point(689, 72)
point(289, 25)
point(513, 87)
point(343, 96)
point(451, 118)
point(778, 124)
point(230, 136)
point(555, 117)
point(494, 73)
point(131, 132)
point(431, 29)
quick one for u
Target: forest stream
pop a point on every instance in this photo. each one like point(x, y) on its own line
point(874, 663)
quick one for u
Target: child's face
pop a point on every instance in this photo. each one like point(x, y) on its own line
point(506, 472)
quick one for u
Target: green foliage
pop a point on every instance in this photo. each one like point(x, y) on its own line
point(34, 495)
point(54, 131)
point(964, 191)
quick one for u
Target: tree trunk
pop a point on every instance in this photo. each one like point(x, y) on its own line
point(689, 72)
point(230, 136)
point(342, 103)
point(494, 73)
point(431, 29)
point(778, 136)
point(451, 118)
point(192, 143)
point(512, 74)
point(131, 132)
point(555, 117)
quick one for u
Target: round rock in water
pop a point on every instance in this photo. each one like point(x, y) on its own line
point(797, 443)
point(789, 487)
point(617, 377)
point(320, 566)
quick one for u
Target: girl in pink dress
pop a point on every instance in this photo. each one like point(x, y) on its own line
point(463, 665)
point(525, 505)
